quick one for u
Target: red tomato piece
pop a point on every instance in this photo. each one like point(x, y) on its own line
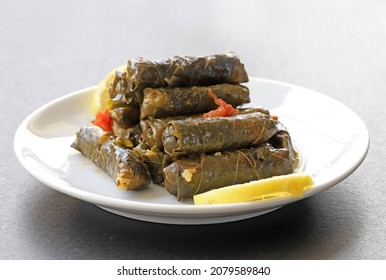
point(103, 120)
point(223, 110)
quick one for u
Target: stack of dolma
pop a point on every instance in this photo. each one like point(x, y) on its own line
point(159, 131)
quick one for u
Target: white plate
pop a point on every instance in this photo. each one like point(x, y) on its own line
point(332, 139)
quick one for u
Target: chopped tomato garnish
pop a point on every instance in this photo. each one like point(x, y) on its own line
point(103, 120)
point(223, 110)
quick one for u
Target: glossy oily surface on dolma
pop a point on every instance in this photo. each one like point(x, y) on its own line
point(123, 166)
point(153, 128)
point(118, 162)
point(155, 160)
point(130, 137)
point(189, 176)
point(118, 90)
point(173, 101)
point(186, 137)
point(201, 173)
point(282, 140)
point(88, 140)
point(125, 117)
point(185, 71)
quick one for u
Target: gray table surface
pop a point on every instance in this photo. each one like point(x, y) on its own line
point(51, 48)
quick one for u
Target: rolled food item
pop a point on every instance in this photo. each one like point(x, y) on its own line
point(155, 159)
point(119, 163)
point(118, 90)
point(89, 140)
point(130, 137)
point(187, 137)
point(186, 177)
point(124, 117)
point(174, 101)
point(185, 71)
point(282, 140)
point(152, 128)
point(177, 71)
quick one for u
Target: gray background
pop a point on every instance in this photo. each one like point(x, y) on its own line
point(51, 48)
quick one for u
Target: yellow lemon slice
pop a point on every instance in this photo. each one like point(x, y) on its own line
point(278, 186)
point(101, 95)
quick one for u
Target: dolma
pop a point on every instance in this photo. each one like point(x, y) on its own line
point(120, 97)
point(118, 89)
point(155, 159)
point(89, 140)
point(186, 137)
point(173, 101)
point(153, 128)
point(186, 177)
point(124, 117)
point(130, 137)
point(121, 164)
point(184, 71)
point(282, 140)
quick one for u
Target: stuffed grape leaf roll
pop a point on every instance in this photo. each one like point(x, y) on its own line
point(187, 137)
point(282, 140)
point(173, 101)
point(130, 137)
point(153, 128)
point(184, 71)
point(124, 117)
point(155, 159)
point(186, 177)
point(121, 164)
point(89, 140)
point(118, 91)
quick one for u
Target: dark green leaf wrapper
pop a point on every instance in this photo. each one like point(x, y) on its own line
point(174, 101)
point(187, 137)
point(120, 163)
point(155, 159)
point(88, 140)
point(124, 118)
point(185, 71)
point(152, 129)
point(282, 140)
point(212, 171)
point(123, 166)
point(130, 137)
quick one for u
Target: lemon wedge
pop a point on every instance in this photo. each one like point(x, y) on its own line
point(101, 95)
point(278, 186)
